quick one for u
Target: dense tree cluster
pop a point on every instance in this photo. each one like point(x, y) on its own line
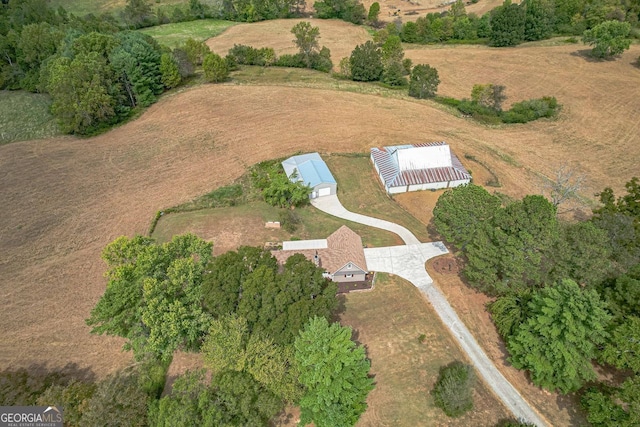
point(276, 188)
point(306, 40)
point(96, 73)
point(252, 319)
point(348, 10)
point(485, 105)
point(567, 292)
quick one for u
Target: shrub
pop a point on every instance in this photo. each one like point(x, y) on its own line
point(293, 61)
point(289, 220)
point(247, 55)
point(532, 109)
point(72, 397)
point(118, 400)
point(453, 392)
point(215, 68)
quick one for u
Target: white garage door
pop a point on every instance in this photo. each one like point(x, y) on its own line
point(324, 192)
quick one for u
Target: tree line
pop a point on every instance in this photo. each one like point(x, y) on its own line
point(511, 24)
point(566, 293)
point(96, 73)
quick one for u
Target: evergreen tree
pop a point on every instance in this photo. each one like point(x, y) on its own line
point(215, 68)
point(559, 339)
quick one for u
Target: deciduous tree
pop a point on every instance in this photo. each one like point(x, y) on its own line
point(462, 211)
point(507, 25)
point(608, 39)
point(424, 81)
point(306, 39)
point(153, 295)
point(335, 373)
point(366, 62)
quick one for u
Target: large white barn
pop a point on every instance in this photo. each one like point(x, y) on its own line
point(414, 167)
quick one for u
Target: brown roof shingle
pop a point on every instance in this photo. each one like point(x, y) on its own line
point(344, 246)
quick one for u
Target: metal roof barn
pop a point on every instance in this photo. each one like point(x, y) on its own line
point(425, 166)
point(312, 171)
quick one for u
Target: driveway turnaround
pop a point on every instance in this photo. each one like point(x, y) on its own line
point(408, 261)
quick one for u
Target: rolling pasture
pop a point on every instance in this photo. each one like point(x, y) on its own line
point(65, 198)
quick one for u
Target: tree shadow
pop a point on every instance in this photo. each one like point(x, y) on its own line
point(587, 56)
point(23, 386)
point(340, 309)
point(571, 404)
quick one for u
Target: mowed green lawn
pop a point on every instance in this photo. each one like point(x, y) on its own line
point(360, 191)
point(173, 35)
point(25, 115)
point(389, 321)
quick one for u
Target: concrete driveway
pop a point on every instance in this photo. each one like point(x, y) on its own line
point(408, 261)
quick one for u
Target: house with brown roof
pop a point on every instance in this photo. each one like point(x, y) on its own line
point(341, 255)
point(414, 167)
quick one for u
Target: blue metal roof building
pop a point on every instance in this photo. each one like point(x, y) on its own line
point(313, 171)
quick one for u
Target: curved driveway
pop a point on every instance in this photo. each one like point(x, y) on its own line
point(408, 261)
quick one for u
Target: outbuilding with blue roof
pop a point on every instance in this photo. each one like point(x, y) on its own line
point(312, 171)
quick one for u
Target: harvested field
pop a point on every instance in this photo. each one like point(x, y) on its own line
point(339, 36)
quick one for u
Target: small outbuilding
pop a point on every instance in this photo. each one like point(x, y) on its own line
point(312, 171)
point(415, 167)
point(341, 255)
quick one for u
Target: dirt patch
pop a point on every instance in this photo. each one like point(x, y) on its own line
point(446, 265)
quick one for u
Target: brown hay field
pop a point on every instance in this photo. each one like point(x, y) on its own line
point(339, 36)
point(65, 198)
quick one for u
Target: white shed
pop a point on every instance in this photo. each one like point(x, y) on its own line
point(415, 167)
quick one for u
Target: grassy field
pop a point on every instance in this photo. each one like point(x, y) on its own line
point(232, 227)
point(388, 321)
point(173, 35)
point(25, 115)
point(360, 191)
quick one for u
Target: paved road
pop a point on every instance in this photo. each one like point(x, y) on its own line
point(408, 262)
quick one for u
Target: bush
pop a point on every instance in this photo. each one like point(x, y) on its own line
point(118, 400)
point(532, 109)
point(215, 68)
point(293, 61)
point(72, 397)
point(453, 392)
point(247, 55)
point(289, 220)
